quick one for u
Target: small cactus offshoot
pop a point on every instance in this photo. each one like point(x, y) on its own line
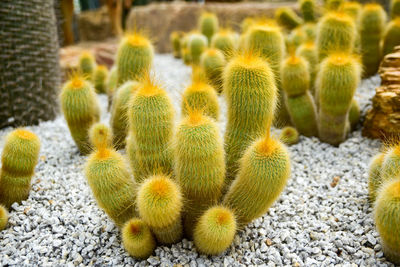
point(289, 136)
point(175, 39)
point(213, 62)
point(100, 78)
point(208, 25)
point(87, 65)
point(287, 18)
point(225, 40)
point(308, 10)
point(3, 217)
point(197, 43)
point(137, 239)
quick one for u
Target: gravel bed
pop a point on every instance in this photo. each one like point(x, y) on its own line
point(314, 223)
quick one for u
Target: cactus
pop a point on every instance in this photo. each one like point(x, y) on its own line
point(137, 239)
point(246, 24)
point(394, 9)
point(374, 175)
point(308, 10)
point(387, 219)
point(159, 202)
point(391, 37)
point(200, 96)
point(187, 58)
point(99, 79)
point(296, 37)
point(213, 62)
point(108, 177)
point(134, 57)
point(197, 43)
point(391, 163)
point(371, 28)
point(336, 32)
point(215, 230)
point(3, 217)
point(251, 96)
point(175, 39)
point(289, 136)
point(151, 119)
point(81, 109)
point(119, 116)
point(353, 9)
point(333, 5)
point(112, 81)
point(227, 41)
point(208, 25)
point(296, 83)
point(310, 30)
point(287, 18)
point(354, 114)
point(87, 65)
point(337, 82)
point(309, 52)
point(19, 158)
point(263, 173)
point(199, 164)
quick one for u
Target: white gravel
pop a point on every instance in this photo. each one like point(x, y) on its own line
point(313, 223)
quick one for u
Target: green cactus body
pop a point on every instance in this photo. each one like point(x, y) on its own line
point(19, 158)
point(200, 96)
point(99, 79)
point(391, 37)
point(137, 239)
point(119, 112)
point(134, 58)
point(87, 65)
point(213, 62)
point(337, 82)
point(387, 219)
point(251, 95)
point(310, 31)
point(208, 25)
point(394, 9)
point(264, 171)
point(309, 52)
point(391, 163)
point(226, 41)
point(151, 120)
point(289, 136)
point(336, 32)
point(246, 24)
point(371, 28)
point(354, 114)
point(186, 57)
point(287, 18)
point(109, 179)
point(3, 217)
point(333, 5)
point(374, 175)
point(197, 43)
point(302, 111)
point(159, 202)
point(175, 39)
point(308, 10)
point(353, 9)
point(112, 81)
point(296, 37)
point(81, 110)
point(199, 164)
point(215, 230)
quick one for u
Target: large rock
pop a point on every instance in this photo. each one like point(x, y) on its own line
point(160, 19)
point(95, 25)
point(383, 120)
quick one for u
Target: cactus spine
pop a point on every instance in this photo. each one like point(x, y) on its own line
point(213, 62)
point(81, 110)
point(208, 25)
point(251, 95)
point(263, 173)
point(197, 43)
point(215, 230)
point(19, 158)
point(337, 82)
point(227, 41)
point(336, 32)
point(289, 135)
point(199, 164)
point(375, 175)
point(175, 39)
point(134, 57)
point(3, 217)
point(87, 65)
point(287, 18)
point(151, 119)
point(295, 83)
point(308, 10)
point(372, 23)
point(387, 219)
point(109, 179)
point(160, 204)
point(99, 79)
point(137, 239)
point(119, 113)
point(391, 37)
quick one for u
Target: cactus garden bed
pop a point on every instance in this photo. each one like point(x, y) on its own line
point(322, 218)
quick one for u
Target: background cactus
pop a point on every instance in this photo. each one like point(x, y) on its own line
point(208, 25)
point(287, 18)
point(87, 65)
point(159, 202)
point(81, 110)
point(353, 9)
point(215, 230)
point(391, 37)
point(175, 39)
point(354, 114)
point(19, 158)
point(289, 135)
point(3, 217)
point(112, 81)
point(391, 163)
point(309, 52)
point(308, 10)
point(197, 43)
point(134, 57)
point(374, 175)
point(333, 5)
point(213, 62)
point(225, 40)
point(394, 9)
point(137, 239)
point(100, 78)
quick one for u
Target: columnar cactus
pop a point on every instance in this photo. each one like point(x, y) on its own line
point(309, 52)
point(225, 40)
point(391, 37)
point(308, 10)
point(160, 202)
point(287, 18)
point(197, 43)
point(337, 82)
point(208, 25)
point(100, 78)
point(251, 95)
point(289, 135)
point(109, 179)
point(19, 158)
point(87, 65)
point(3, 217)
point(137, 238)
point(81, 110)
point(134, 57)
point(151, 119)
point(391, 163)
point(213, 62)
point(353, 9)
point(375, 175)
point(175, 39)
point(112, 81)
point(394, 9)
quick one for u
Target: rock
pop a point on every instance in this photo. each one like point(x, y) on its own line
point(182, 16)
point(95, 25)
point(383, 120)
